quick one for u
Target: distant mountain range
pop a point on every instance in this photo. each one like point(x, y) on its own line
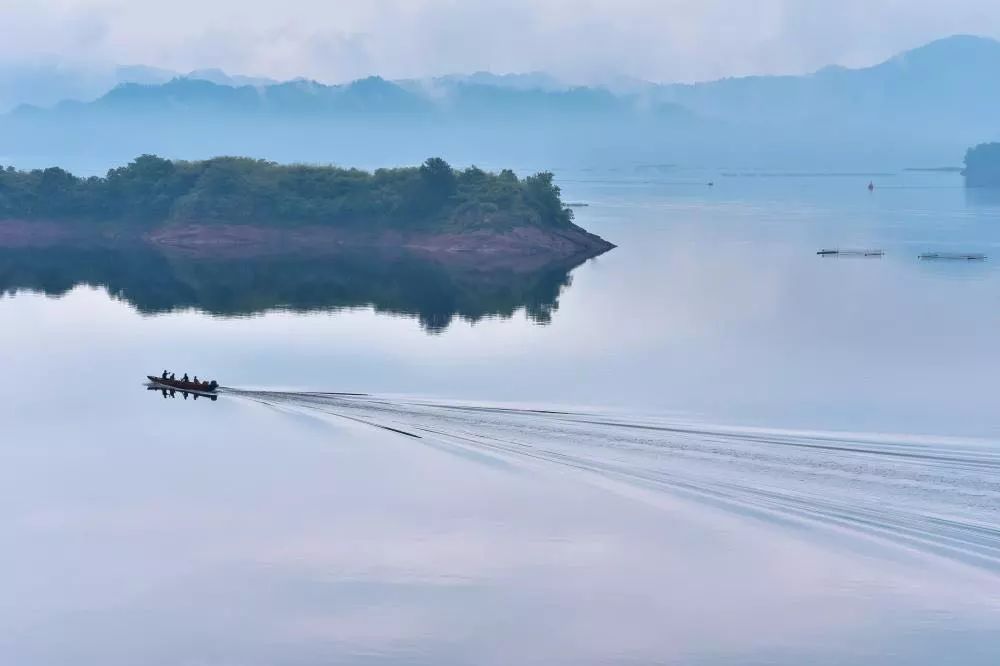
point(48, 83)
point(454, 97)
point(925, 106)
point(953, 80)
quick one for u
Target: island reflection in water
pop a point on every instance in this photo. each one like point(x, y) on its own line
point(433, 289)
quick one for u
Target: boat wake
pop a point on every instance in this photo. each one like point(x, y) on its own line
point(933, 495)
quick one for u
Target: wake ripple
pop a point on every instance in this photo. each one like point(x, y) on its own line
point(936, 495)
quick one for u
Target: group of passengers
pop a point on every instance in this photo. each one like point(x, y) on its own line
point(211, 386)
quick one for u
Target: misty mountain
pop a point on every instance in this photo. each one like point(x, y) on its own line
point(369, 122)
point(944, 92)
point(939, 80)
point(221, 78)
point(925, 106)
point(370, 97)
point(46, 83)
point(186, 97)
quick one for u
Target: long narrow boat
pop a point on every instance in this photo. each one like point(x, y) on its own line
point(179, 385)
point(955, 256)
point(851, 253)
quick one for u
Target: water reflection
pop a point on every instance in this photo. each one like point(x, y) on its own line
point(172, 393)
point(434, 291)
point(985, 197)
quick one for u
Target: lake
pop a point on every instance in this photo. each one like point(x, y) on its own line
point(707, 446)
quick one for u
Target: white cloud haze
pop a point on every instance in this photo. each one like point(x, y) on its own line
point(580, 40)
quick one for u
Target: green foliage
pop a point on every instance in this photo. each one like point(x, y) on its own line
point(543, 197)
point(982, 165)
point(239, 190)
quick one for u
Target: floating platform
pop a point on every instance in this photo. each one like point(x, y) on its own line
point(851, 253)
point(953, 256)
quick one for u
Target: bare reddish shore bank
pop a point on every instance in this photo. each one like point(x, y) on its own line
point(517, 243)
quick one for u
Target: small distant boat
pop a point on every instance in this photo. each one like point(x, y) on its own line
point(954, 256)
point(204, 388)
point(851, 253)
point(871, 186)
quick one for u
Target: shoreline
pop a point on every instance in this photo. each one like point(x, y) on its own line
point(517, 244)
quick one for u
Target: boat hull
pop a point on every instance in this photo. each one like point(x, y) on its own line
point(178, 385)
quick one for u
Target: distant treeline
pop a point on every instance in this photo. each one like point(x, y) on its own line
point(235, 190)
point(982, 166)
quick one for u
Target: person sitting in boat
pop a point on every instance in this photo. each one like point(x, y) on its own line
point(185, 378)
point(173, 376)
point(196, 380)
point(164, 374)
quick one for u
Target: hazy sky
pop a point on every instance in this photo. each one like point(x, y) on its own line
point(581, 40)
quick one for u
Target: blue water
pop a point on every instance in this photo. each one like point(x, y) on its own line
point(720, 449)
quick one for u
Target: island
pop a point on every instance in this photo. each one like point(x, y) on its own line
point(982, 166)
point(238, 204)
point(236, 236)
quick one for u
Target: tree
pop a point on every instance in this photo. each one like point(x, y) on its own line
point(543, 196)
point(437, 183)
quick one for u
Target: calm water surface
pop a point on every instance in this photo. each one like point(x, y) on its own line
point(709, 446)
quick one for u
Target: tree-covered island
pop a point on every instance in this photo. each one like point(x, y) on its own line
point(239, 201)
point(982, 166)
